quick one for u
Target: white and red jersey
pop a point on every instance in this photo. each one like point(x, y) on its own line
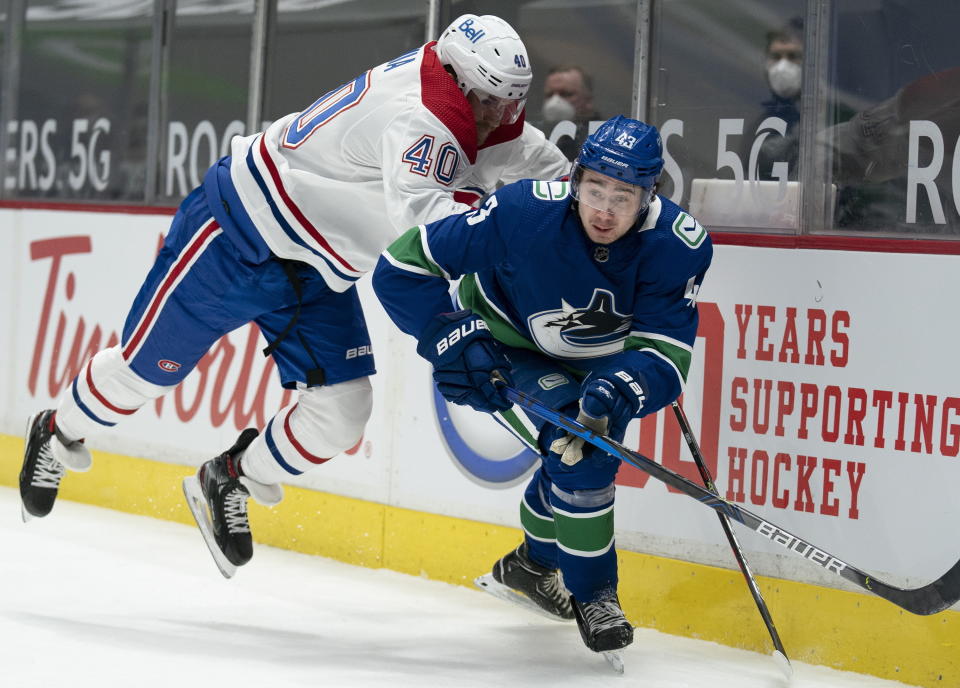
point(334, 184)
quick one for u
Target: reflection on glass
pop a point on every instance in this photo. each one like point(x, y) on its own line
point(582, 56)
point(208, 84)
point(3, 33)
point(728, 109)
point(322, 45)
point(80, 129)
point(896, 107)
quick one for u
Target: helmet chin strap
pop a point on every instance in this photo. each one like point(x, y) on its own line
point(644, 210)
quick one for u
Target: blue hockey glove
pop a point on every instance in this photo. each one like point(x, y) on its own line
point(464, 356)
point(608, 401)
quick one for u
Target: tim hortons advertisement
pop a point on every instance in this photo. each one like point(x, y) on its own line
point(77, 275)
point(823, 395)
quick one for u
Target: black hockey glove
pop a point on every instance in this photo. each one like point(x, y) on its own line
point(608, 401)
point(464, 355)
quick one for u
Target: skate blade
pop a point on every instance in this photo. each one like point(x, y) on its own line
point(24, 514)
point(783, 663)
point(198, 507)
point(489, 584)
point(614, 659)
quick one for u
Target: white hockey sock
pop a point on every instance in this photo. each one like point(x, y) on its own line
point(258, 463)
point(105, 392)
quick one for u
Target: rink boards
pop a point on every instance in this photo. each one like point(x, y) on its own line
point(818, 391)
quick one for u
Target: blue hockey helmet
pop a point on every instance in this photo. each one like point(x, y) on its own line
point(624, 149)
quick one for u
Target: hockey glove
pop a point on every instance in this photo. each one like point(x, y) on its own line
point(464, 356)
point(608, 401)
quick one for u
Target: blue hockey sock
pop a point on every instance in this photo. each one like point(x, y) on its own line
point(584, 528)
point(536, 517)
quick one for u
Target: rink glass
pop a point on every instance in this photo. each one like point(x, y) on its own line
point(112, 103)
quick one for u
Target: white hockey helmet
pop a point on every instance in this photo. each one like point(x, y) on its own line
point(488, 57)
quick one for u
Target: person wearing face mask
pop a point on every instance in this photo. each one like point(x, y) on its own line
point(568, 99)
point(784, 72)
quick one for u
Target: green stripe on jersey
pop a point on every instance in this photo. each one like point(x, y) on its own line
point(536, 526)
point(590, 534)
point(471, 297)
point(408, 249)
point(680, 356)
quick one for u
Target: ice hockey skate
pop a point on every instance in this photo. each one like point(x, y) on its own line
point(518, 579)
point(46, 457)
point(217, 496)
point(604, 628)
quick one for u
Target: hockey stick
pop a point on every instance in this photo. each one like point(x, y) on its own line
point(779, 653)
point(928, 599)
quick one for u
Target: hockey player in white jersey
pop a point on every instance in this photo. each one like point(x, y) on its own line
point(277, 234)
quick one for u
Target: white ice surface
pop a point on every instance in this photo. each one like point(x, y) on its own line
point(93, 598)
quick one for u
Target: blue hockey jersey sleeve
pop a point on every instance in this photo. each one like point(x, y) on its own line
point(412, 278)
point(659, 348)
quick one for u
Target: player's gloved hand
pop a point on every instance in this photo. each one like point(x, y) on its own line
point(608, 401)
point(464, 356)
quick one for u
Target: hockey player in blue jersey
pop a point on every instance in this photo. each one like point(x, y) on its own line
point(278, 234)
point(582, 294)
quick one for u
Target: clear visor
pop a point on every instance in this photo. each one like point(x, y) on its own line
point(613, 197)
point(496, 109)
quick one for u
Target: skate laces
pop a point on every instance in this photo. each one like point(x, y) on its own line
point(47, 471)
point(603, 614)
point(552, 586)
point(548, 583)
point(235, 511)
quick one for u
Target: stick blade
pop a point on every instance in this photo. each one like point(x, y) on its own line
point(783, 663)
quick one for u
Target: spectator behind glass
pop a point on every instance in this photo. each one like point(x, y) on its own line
point(891, 161)
point(784, 71)
point(568, 98)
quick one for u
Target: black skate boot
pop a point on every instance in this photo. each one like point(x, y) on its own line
point(41, 473)
point(46, 456)
point(602, 624)
point(517, 578)
point(217, 496)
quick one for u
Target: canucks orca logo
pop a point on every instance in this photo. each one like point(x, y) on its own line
point(568, 332)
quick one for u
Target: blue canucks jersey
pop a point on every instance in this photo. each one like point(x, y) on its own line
point(527, 267)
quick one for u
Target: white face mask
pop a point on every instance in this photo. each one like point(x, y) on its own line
point(785, 78)
point(556, 109)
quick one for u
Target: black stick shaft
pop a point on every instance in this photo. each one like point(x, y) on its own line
point(734, 545)
point(927, 599)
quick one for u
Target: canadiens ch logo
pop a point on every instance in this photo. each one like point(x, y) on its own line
point(168, 366)
point(570, 332)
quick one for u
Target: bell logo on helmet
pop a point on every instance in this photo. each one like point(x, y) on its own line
point(473, 35)
point(486, 55)
point(626, 140)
